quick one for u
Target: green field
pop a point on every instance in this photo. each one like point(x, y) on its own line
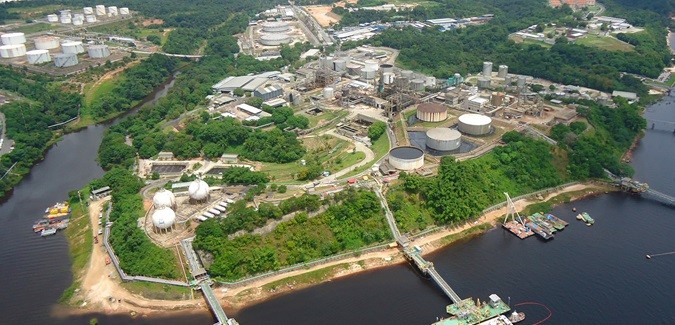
point(605, 43)
point(380, 148)
point(130, 28)
point(33, 28)
point(38, 12)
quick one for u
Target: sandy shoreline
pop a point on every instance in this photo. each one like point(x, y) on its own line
point(102, 292)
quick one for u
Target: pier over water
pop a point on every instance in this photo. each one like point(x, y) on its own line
point(630, 185)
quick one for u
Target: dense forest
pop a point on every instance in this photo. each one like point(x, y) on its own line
point(356, 221)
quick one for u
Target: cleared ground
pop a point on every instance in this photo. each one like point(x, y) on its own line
point(605, 43)
point(323, 15)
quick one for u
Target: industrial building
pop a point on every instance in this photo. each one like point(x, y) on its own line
point(475, 124)
point(246, 83)
point(248, 109)
point(269, 92)
point(431, 112)
point(477, 104)
point(443, 139)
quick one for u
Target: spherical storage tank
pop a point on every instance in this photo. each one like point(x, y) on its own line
point(406, 158)
point(63, 60)
point(163, 218)
point(163, 199)
point(13, 38)
point(198, 190)
point(12, 50)
point(275, 39)
point(431, 112)
point(443, 139)
point(98, 51)
point(474, 124)
point(38, 56)
point(47, 43)
point(275, 27)
point(74, 47)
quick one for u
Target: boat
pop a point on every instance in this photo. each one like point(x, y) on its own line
point(558, 223)
point(587, 218)
point(516, 317)
point(58, 210)
point(47, 232)
point(539, 230)
point(40, 225)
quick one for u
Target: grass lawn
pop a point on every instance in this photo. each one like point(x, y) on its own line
point(101, 89)
point(605, 43)
point(158, 291)
point(380, 149)
point(38, 12)
point(32, 28)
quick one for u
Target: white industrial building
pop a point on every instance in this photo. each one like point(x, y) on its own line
point(477, 104)
point(248, 109)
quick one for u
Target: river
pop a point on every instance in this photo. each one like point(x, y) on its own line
point(585, 275)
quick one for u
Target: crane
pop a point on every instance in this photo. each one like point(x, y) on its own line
point(511, 210)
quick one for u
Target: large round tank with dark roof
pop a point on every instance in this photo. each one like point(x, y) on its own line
point(406, 158)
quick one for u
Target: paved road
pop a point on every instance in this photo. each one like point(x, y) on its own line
point(6, 143)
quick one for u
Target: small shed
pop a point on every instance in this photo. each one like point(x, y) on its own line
point(229, 158)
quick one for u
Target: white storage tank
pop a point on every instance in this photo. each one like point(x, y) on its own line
point(503, 71)
point(112, 11)
point(340, 65)
point(78, 22)
point(47, 42)
point(38, 56)
point(90, 18)
point(72, 47)
point(53, 18)
point(431, 112)
point(388, 78)
point(78, 16)
point(65, 19)
point(417, 84)
point(430, 81)
point(369, 73)
point(406, 158)
point(98, 51)
point(163, 218)
point(124, 11)
point(408, 74)
point(353, 69)
point(371, 64)
point(483, 83)
point(385, 67)
point(100, 10)
point(63, 60)
point(88, 10)
point(443, 139)
point(13, 38)
point(12, 50)
point(487, 69)
point(198, 190)
point(275, 27)
point(275, 39)
point(475, 124)
point(164, 199)
point(328, 93)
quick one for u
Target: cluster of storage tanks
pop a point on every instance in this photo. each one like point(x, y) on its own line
point(89, 15)
point(14, 45)
point(275, 33)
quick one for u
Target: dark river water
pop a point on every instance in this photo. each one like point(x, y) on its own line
point(586, 275)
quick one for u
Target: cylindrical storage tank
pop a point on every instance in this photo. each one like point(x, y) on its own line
point(386, 67)
point(431, 112)
point(487, 69)
point(88, 10)
point(508, 80)
point(72, 47)
point(90, 18)
point(63, 60)
point(12, 50)
point(371, 64)
point(47, 42)
point(13, 38)
point(458, 76)
point(53, 18)
point(521, 81)
point(124, 11)
point(483, 83)
point(474, 124)
point(78, 22)
point(100, 10)
point(328, 93)
point(406, 158)
point(98, 51)
point(407, 74)
point(430, 81)
point(112, 11)
point(78, 16)
point(275, 27)
point(402, 82)
point(353, 69)
point(164, 199)
point(163, 218)
point(64, 12)
point(443, 139)
point(65, 19)
point(497, 99)
point(368, 73)
point(388, 78)
point(38, 56)
point(340, 65)
point(275, 39)
point(503, 71)
point(417, 84)
point(198, 190)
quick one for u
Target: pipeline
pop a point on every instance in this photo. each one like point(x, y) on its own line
point(550, 313)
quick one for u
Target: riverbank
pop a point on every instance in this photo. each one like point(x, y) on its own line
point(103, 292)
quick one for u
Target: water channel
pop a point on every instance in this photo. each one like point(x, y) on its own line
point(585, 275)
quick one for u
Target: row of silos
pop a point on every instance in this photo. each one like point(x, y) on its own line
point(89, 15)
point(487, 70)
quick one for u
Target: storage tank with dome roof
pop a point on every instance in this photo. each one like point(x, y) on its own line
point(163, 218)
point(198, 191)
point(164, 199)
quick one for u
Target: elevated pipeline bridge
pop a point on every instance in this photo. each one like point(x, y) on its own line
point(632, 186)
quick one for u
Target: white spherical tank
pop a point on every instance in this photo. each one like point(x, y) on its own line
point(72, 47)
point(163, 218)
point(13, 38)
point(53, 18)
point(90, 18)
point(198, 190)
point(275, 27)
point(474, 124)
point(100, 10)
point(88, 10)
point(98, 51)
point(124, 11)
point(47, 42)
point(12, 51)
point(443, 139)
point(431, 112)
point(275, 39)
point(406, 158)
point(163, 199)
point(38, 56)
point(328, 93)
point(371, 64)
point(63, 60)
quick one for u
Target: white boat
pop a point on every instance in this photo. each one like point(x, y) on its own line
point(48, 232)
